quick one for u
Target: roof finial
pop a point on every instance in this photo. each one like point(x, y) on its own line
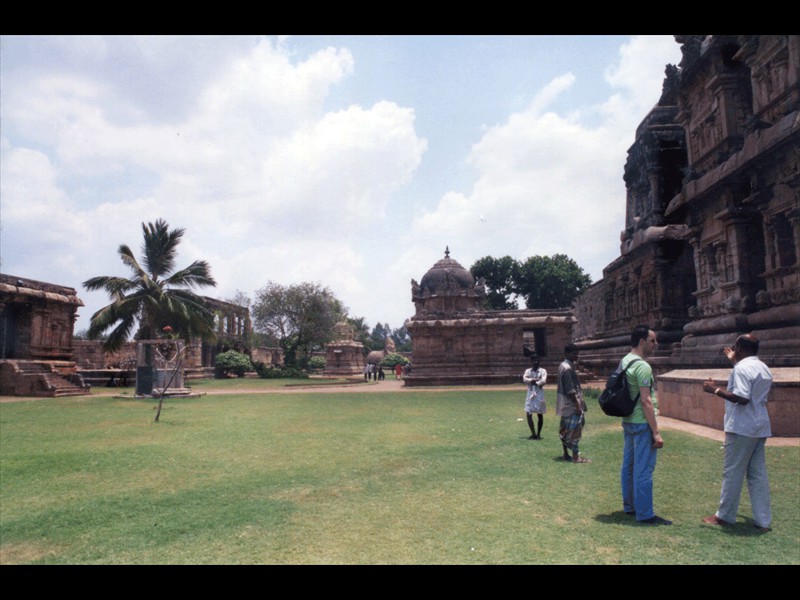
point(447, 252)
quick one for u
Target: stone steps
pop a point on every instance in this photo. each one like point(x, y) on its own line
point(41, 380)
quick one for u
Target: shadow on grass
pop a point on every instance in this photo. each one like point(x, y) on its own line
point(745, 529)
point(560, 458)
point(619, 517)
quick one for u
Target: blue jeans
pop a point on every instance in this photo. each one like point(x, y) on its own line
point(638, 464)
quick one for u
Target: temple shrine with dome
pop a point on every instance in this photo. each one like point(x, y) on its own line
point(458, 341)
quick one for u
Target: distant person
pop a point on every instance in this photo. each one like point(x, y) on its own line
point(570, 405)
point(381, 374)
point(535, 377)
point(398, 371)
point(747, 427)
point(366, 372)
point(642, 437)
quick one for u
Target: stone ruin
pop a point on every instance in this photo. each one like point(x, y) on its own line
point(39, 357)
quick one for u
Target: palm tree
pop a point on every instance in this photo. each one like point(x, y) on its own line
point(155, 297)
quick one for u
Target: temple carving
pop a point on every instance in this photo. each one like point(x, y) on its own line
point(712, 225)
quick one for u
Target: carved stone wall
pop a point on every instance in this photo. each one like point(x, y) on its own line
point(89, 354)
point(36, 319)
point(711, 240)
point(712, 231)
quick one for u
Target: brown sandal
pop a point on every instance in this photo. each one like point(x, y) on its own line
point(580, 459)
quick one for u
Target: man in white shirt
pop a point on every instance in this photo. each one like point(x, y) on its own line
point(535, 377)
point(747, 427)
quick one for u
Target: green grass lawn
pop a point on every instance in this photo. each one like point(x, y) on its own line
point(370, 478)
point(255, 383)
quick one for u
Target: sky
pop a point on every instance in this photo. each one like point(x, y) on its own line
point(348, 161)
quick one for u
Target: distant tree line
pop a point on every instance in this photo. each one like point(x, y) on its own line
point(539, 281)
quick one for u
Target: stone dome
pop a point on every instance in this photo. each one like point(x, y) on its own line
point(375, 357)
point(446, 277)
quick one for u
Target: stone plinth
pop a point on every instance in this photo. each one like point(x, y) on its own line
point(681, 396)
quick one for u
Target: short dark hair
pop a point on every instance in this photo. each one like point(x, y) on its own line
point(748, 343)
point(571, 348)
point(640, 332)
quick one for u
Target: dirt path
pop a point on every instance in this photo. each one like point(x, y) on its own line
point(397, 386)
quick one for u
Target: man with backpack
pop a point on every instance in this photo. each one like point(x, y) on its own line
point(640, 429)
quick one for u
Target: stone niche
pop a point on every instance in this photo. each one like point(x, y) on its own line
point(457, 341)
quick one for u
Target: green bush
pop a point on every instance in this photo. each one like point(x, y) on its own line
point(317, 363)
point(392, 360)
point(232, 362)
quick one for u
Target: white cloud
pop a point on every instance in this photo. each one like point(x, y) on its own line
point(236, 140)
point(549, 183)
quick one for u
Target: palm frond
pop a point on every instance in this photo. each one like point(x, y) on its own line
point(197, 274)
point(129, 260)
point(115, 286)
point(160, 247)
point(120, 334)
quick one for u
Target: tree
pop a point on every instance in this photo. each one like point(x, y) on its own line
point(360, 331)
point(402, 340)
point(155, 296)
point(299, 317)
point(550, 282)
point(499, 276)
point(378, 336)
point(240, 299)
point(392, 360)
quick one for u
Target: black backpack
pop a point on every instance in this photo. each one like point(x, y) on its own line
point(615, 400)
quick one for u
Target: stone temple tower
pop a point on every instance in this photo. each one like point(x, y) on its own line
point(447, 289)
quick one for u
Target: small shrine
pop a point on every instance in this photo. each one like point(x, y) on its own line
point(457, 341)
point(344, 355)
